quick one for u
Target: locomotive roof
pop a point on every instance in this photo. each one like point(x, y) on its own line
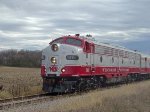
point(92, 40)
point(121, 48)
point(115, 47)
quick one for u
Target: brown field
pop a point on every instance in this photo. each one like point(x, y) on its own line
point(19, 81)
point(133, 97)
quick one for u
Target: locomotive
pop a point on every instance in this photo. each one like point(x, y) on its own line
point(74, 62)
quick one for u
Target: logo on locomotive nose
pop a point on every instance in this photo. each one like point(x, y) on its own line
point(53, 68)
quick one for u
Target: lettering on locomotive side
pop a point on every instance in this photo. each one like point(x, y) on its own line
point(109, 70)
point(124, 70)
point(87, 70)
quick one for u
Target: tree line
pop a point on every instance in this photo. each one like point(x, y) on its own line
point(22, 58)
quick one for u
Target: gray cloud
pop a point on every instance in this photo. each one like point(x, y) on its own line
point(27, 24)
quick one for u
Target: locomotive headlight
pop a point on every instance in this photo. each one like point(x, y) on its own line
point(63, 70)
point(54, 47)
point(53, 60)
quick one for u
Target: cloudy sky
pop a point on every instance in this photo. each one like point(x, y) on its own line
point(31, 24)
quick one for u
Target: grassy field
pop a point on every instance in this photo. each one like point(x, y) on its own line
point(133, 97)
point(19, 81)
point(128, 98)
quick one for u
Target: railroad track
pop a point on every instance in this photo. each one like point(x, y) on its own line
point(24, 100)
point(33, 99)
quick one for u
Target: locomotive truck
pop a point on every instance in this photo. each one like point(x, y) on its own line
point(74, 63)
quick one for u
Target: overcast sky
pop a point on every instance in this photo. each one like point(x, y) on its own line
point(31, 24)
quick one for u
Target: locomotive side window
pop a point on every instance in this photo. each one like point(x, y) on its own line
point(134, 62)
point(130, 61)
point(122, 61)
point(74, 42)
point(86, 55)
point(101, 59)
point(43, 57)
point(113, 60)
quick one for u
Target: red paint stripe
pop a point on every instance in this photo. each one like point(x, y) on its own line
point(43, 70)
point(107, 71)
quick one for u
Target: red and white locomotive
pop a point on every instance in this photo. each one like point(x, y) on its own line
point(71, 63)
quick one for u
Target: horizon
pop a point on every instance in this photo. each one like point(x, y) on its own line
point(133, 48)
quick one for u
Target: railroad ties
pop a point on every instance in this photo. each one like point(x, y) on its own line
point(21, 101)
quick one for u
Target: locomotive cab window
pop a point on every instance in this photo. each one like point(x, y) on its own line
point(57, 41)
point(75, 42)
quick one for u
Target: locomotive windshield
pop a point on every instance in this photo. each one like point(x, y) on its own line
point(73, 41)
point(57, 41)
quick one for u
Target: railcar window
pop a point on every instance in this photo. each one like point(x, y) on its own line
point(74, 42)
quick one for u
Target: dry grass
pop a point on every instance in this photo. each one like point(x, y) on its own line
point(19, 81)
point(131, 99)
point(128, 98)
point(24, 81)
